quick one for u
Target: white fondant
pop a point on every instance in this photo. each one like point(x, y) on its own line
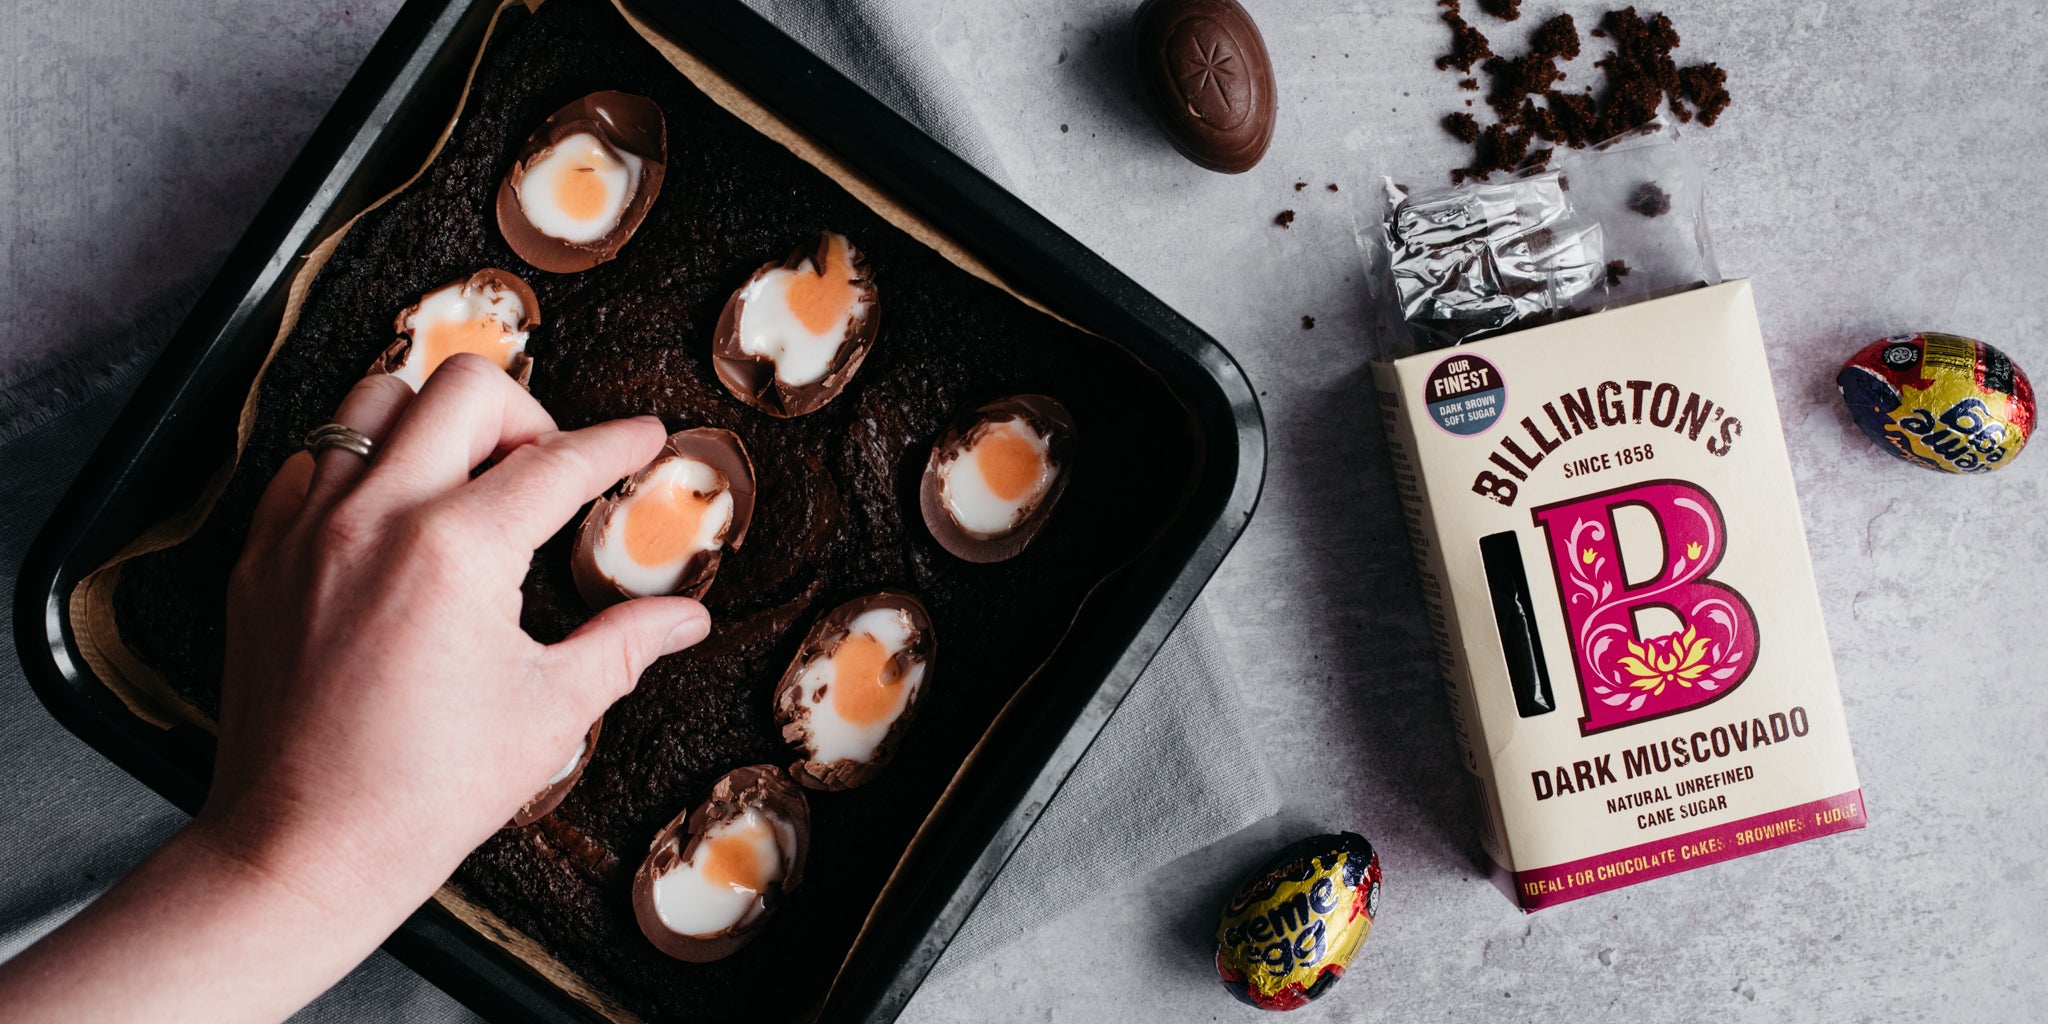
point(688, 903)
point(651, 580)
point(768, 328)
point(574, 760)
point(966, 494)
point(828, 737)
point(459, 303)
point(617, 170)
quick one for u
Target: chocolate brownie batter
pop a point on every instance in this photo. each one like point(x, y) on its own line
point(837, 513)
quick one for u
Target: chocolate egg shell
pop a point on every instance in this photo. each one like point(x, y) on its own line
point(795, 714)
point(1207, 80)
point(1940, 401)
point(548, 799)
point(1050, 420)
point(762, 787)
point(753, 378)
point(722, 451)
point(488, 279)
point(623, 122)
point(1292, 928)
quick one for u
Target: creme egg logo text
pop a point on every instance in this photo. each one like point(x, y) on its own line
point(1287, 933)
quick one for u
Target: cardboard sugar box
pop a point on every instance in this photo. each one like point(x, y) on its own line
point(1603, 514)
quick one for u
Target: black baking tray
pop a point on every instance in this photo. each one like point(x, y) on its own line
point(174, 434)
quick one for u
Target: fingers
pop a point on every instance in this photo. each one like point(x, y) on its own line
point(371, 408)
point(280, 503)
point(469, 410)
point(538, 487)
point(603, 659)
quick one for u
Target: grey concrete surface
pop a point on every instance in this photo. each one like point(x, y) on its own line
point(1878, 173)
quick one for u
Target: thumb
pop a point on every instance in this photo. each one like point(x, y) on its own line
point(603, 659)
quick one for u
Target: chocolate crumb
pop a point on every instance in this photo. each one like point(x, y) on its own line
point(1468, 46)
point(1285, 219)
point(1299, 185)
point(1649, 200)
point(1505, 10)
point(1308, 323)
point(1616, 270)
point(1462, 126)
point(1469, 84)
point(1331, 186)
point(1539, 239)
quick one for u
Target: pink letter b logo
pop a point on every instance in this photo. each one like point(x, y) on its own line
point(1624, 677)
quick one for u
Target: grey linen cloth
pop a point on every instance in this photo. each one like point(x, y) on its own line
point(1167, 776)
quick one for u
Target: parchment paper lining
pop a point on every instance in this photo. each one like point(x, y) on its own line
point(149, 696)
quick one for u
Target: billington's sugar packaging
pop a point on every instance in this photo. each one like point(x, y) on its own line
point(1603, 513)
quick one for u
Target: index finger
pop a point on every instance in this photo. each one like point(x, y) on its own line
point(536, 488)
point(468, 411)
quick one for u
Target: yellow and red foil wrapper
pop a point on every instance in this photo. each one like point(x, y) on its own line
point(1293, 927)
point(1940, 401)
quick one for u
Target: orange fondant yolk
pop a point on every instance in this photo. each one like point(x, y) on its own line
point(581, 193)
point(1010, 465)
point(819, 300)
point(732, 860)
point(486, 336)
point(663, 525)
point(867, 685)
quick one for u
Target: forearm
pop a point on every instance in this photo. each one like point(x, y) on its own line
point(199, 932)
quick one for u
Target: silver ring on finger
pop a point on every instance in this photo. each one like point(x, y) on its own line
point(342, 436)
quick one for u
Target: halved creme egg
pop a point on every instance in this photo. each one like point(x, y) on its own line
point(559, 785)
point(668, 526)
point(487, 313)
point(848, 696)
point(994, 476)
point(713, 877)
point(584, 181)
point(792, 336)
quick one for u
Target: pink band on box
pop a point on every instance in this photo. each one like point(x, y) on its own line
point(1561, 883)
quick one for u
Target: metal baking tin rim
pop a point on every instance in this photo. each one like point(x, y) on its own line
point(424, 40)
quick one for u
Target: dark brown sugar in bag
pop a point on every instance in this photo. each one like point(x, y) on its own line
point(1531, 102)
point(1468, 46)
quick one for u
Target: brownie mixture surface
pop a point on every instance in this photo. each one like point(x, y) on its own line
point(837, 513)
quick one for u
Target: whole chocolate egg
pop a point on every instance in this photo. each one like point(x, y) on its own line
point(1293, 927)
point(1207, 80)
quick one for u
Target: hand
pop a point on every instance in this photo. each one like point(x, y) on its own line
point(382, 710)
